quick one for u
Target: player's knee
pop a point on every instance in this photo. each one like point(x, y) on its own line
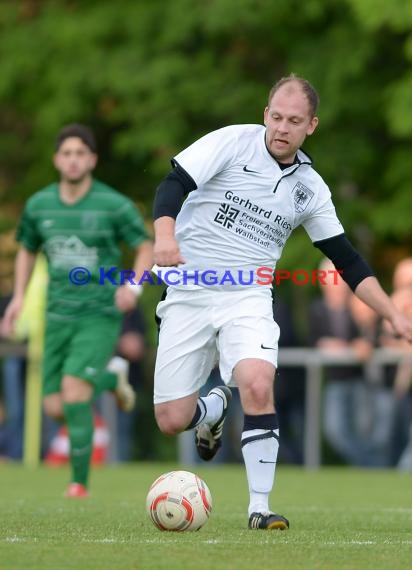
point(76, 390)
point(259, 394)
point(53, 407)
point(168, 422)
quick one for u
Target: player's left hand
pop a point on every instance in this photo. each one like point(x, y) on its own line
point(125, 299)
point(402, 326)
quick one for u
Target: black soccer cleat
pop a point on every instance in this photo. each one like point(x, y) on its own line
point(267, 521)
point(209, 439)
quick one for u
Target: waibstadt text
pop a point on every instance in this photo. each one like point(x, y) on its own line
point(209, 277)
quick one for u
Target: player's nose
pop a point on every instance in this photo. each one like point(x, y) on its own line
point(283, 126)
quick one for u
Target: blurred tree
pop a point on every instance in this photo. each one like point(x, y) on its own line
point(389, 24)
point(151, 76)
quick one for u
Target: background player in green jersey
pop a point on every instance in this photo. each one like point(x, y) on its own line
point(79, 223)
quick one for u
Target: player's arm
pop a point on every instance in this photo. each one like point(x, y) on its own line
point(143, 261)
point(23, 269)
point(371, 293)
point(166, 252)
point(168, 201)
point(127, 296)
point(359, 276)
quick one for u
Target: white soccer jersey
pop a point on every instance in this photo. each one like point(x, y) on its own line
point(245, 208)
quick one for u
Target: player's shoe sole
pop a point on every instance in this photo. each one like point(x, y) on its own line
point(267, 521)
point(208, 439)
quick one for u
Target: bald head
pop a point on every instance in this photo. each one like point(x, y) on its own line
point(402, 276)
point(292, 83)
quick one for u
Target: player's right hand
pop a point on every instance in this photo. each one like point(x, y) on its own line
point(10, 315)
point(166, 253)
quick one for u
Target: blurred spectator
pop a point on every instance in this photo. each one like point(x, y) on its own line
point(332, 329)
point(13, 380)
point(402, 275)
point(132, 347)
point(376, 402)
point(401, 375)
point(290, 391)
point(13, 385)
point(30, 321)
point(403, 385)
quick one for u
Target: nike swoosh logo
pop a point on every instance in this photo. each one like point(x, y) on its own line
point(267, 347)
point(263, 461)
point(246, 169)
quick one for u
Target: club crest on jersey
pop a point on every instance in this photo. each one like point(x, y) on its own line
point(226, 215)
point(89, 220)
point(302, 195)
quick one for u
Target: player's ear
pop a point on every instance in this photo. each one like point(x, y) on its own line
point(56, 160)
point(265, 116)
point(312, 125)
point(93, 160)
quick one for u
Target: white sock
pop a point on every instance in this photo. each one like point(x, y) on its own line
point(208, 411)
point(260, 451)
point(214, 408)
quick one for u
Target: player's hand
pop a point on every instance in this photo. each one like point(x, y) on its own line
point(166, 253)
point(125, 299)
point(11, 313)
point(402, 326)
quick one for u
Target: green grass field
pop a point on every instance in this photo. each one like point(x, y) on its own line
point(340, 518)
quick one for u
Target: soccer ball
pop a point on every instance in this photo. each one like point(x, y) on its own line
point(178, 501)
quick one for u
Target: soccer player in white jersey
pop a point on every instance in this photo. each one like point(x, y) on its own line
point(246, 187)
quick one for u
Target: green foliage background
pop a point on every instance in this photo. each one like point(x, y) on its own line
point(151, 76)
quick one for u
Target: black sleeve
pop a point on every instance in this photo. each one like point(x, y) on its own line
point(171, 191)
point(346, 259)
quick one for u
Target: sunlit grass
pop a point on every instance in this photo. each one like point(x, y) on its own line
point(340, 518)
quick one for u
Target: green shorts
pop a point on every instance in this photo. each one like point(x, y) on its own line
point(80, 347)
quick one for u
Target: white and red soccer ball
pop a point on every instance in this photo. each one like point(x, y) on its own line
point(179, 501)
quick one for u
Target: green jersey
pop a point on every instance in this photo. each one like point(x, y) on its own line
point(86, 234)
